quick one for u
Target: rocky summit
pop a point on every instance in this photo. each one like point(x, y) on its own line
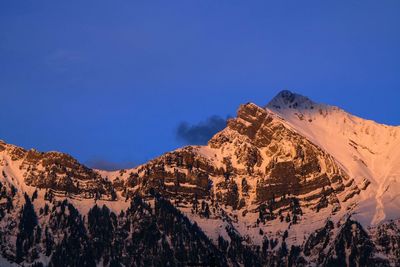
point(294, 183)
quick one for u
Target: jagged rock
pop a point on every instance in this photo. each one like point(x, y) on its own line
point(263, 192)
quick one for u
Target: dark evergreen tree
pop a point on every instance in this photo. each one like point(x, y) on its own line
point(245, 187)
point(26, 235)
point(294, 258)
point(195, 204)
point(265, 246)
point(74, 249)
point(34, 195)
point(232, 195)
point(101, 228)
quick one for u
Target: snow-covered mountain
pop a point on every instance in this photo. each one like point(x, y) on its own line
point(365, 149)
point(295, 183)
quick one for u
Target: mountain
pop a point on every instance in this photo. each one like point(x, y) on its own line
point(366, 150)
point(294, 183)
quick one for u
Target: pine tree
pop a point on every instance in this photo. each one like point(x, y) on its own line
point(101, 225)
point(288, 217)
point(26, 236)
point(207, 211)
point(232, 196)
point(245, 187)
point(34, 195)
point(195, 204)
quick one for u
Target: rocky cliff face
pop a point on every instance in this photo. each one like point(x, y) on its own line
point(261, 193)
point(277, 163)
point(285, 162)
point(57, 172)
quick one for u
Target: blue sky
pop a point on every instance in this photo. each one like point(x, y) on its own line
point(109, 82)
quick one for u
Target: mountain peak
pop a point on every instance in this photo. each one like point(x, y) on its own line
point(287, 99)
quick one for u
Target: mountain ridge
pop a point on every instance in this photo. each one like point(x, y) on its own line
point(368, 143)
point(287, 99)
point(273, 188)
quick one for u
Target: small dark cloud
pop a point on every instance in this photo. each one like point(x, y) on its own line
point(200, 133)
point(109, 165)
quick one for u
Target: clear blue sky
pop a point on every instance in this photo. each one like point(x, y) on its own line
point(112, 80)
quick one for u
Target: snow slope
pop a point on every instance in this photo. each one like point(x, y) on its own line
point(337, 166)
point(364, 148)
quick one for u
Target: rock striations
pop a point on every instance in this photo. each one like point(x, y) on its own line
point(296, 183)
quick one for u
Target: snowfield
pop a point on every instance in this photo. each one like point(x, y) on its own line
point(365, 149)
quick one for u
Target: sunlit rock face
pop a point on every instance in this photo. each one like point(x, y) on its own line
point(274, 188)
point(282, 161)
point(58, 172)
